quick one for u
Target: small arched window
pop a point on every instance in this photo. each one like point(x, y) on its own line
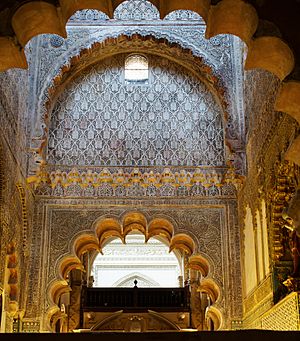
point(136, 69)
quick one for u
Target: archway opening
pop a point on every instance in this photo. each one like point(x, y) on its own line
point(132, 265)
point(150, 264)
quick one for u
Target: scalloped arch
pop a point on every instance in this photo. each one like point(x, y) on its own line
point(199, 263)
point(69, 7)
point(50, 316)
point(106, 229)
point(271, 54)
point(42, 17)
point(183, 242)
point(210, 287)
point(134, 221)
point(34, 18)
point(199, 6)
point(215, 314)
point(67, 264)
point(85, 243)
point(160, 227)
point(57, 288)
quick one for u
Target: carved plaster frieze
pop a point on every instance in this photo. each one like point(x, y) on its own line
point(205, 182)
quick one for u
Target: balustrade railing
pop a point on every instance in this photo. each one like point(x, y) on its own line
point(135, 299)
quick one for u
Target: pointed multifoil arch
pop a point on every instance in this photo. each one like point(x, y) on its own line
point(199, 263)
point(184, 243)
point(214, 311)
point(85, 243)
point(82, 242)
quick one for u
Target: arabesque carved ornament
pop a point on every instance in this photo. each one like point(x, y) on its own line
point(116, 182)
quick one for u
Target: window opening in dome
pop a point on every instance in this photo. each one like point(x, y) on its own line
point(136, 70)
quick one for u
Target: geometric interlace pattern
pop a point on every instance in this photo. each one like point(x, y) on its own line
point(99, 120)
point(285, 315)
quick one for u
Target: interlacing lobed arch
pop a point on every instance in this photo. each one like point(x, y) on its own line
point(109, 228)
point(227, 17)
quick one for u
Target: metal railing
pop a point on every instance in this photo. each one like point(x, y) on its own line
point(135, 299)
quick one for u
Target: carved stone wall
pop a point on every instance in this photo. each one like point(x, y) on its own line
point(283, 316)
